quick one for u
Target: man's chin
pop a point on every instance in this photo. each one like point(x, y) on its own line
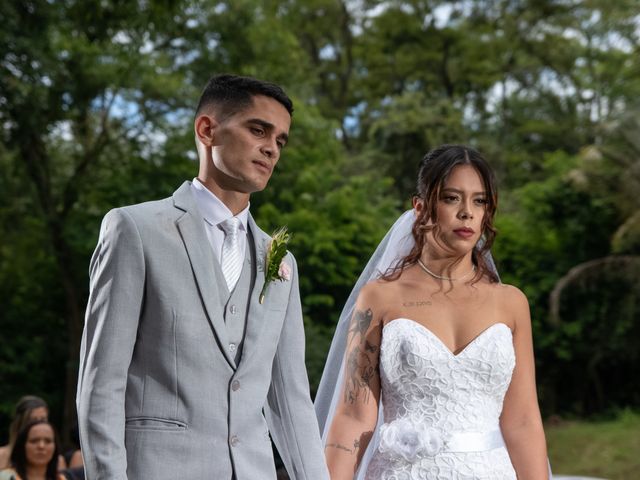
point(246, 186)
point(257, 185)
point(249, 189)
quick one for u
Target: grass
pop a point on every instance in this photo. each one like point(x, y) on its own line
point(607, 449)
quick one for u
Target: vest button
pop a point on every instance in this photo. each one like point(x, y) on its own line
point(232, 347)
point(235, 385)
point(233, 441)
point(233, 309)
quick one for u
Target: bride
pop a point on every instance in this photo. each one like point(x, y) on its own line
point(431, 372)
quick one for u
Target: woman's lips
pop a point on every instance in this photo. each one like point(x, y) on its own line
point(464, 232)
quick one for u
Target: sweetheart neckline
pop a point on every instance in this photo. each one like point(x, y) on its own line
point(464, 349)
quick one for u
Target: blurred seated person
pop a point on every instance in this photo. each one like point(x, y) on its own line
point(27, 409)
point(76, 460)
point(34, 455)
point(75, 473)
point(73, 456)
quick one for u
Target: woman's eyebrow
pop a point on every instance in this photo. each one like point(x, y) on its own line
point(457, 190)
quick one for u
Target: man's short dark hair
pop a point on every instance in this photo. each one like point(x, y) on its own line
point(229, 94)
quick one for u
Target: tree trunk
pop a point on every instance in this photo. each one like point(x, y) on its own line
point(64, 260)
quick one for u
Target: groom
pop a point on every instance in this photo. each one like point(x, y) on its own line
point(185, 371)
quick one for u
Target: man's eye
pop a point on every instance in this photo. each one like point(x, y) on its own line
point(257, 131)
point(280, 145)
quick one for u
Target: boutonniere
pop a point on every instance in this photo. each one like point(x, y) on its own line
point(275, 268)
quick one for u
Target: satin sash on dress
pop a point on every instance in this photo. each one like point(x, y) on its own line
point(473, 441)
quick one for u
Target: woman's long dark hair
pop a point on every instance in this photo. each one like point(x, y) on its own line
point(19, 454)
point(435, 168)
point(22, 414)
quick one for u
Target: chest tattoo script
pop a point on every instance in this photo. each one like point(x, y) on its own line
point(419, 303)
point(362, 360)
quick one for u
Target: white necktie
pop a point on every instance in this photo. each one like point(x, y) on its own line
point(231, 258)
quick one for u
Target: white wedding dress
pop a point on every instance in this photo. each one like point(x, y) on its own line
point(441, 410)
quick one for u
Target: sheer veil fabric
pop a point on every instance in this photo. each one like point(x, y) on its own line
point(396, 244)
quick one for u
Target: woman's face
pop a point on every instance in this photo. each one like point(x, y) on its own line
point(40, 445)
point(460, 211)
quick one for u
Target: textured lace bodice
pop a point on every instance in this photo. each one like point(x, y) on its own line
point(429, 390)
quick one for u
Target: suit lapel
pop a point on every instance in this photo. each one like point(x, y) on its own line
point(191, 228)
point(256, 312)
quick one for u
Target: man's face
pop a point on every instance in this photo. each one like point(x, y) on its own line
point(247, 145)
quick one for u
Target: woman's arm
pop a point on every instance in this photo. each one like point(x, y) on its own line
point(520, 421)
point(357, 410)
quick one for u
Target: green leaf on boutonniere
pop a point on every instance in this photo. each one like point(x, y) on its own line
point(273, 267)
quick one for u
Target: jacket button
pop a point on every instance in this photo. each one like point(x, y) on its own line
point(235, 385)
point(234, 441)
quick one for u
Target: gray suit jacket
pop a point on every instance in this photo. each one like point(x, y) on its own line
point(159, 393)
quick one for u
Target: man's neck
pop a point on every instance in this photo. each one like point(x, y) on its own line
point(233, 200)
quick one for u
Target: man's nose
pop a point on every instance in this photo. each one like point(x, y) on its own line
point(270, 148)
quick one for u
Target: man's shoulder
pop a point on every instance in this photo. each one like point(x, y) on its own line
point(144, 210)
point(140, 217)
point(150, 207)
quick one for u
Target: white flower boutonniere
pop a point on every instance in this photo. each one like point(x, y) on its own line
point(275, 268)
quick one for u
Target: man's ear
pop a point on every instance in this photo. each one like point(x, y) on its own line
point(205, 127)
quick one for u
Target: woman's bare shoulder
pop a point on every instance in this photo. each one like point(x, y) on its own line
point(511, 294)
point(379, 287)
point(513, 302)
point(377, 295)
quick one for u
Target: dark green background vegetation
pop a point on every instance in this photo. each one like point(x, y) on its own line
point(96, 102)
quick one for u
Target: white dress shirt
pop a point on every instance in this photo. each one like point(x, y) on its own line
point(215, 212)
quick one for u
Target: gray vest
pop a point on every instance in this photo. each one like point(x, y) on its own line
point(236, 303)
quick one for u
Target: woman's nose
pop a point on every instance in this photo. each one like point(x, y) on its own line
point(465, 213)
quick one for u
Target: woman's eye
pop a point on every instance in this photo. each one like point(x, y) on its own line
point(481, 201)
point(450, 198)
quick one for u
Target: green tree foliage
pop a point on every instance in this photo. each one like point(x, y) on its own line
point(69, 74)
point(98, 116)
point(336, 214)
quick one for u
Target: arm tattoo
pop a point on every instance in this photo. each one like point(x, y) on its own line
point(362, 363)
point(339, 446)
point(370, 347)
point(360, 323)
